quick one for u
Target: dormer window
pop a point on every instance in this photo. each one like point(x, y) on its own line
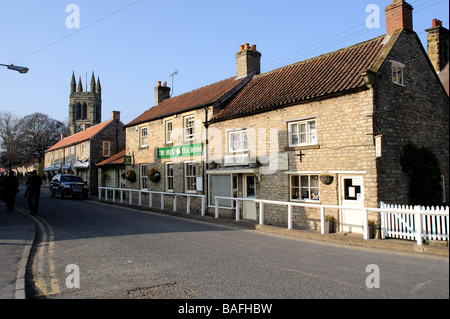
point(397, 72)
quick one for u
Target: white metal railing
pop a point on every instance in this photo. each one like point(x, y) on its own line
point(364, 210)
point(150, 200)
point(422, 223)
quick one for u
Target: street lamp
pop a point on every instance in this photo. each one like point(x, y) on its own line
point(20, 69)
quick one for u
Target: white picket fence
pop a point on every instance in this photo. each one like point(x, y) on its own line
point(414, 222)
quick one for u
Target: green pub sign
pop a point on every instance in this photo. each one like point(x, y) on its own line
point(181, 151)
point(127, 160)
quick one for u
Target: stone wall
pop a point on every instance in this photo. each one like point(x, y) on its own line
point(415, 112)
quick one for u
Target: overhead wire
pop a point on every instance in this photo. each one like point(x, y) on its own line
point(75, 32)
point(295, 56)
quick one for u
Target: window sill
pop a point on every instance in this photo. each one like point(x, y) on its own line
point(304, 147)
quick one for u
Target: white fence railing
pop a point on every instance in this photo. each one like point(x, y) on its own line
point(414, 222)
point(150, 197)
point(427, 225)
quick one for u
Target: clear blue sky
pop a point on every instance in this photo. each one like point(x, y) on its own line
point(146, 41)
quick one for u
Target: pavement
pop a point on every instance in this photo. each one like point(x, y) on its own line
point(17, 234)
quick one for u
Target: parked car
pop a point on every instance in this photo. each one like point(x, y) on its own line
point(68, 185)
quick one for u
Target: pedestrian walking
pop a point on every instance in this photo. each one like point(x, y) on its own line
point(10, 189)
point(34, 183)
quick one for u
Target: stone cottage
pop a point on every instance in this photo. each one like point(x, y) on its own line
point(327, 130)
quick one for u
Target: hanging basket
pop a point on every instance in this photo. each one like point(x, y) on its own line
point(154, 175)
point(326, 179)
point(131, 176)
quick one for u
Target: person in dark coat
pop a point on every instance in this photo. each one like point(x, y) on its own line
point(34, 183)
point(10, 189)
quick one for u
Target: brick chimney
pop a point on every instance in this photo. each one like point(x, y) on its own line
point(438, 45)
point(247, 60)
point(162, 92)
point(398, 16)
point(115, 116)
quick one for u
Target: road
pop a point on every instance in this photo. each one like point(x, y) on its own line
point(90, 250)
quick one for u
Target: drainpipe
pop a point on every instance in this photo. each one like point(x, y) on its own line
point(205, 176)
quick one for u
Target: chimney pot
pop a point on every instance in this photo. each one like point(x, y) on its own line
point(241, 48)
point(246, 46)
point(158, 83)
point(254, 47)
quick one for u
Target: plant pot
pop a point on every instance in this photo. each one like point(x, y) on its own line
point(329, 227)
point(371, 231)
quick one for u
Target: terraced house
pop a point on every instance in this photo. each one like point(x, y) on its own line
point(327, 130)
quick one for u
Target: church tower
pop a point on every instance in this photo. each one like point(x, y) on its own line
point(85, 108)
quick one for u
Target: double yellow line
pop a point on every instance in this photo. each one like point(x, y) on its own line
point(43, 268)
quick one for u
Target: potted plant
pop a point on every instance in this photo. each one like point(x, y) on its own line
point(371, 224)
point(154, 175)
point(329, 224)
point(131, 176)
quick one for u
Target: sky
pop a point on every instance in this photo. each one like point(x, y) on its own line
point(132, 44)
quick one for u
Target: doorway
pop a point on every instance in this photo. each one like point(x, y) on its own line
point(351, 193)
point(249, 187)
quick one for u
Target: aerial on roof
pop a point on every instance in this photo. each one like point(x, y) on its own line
point(204, 96)
point(317, 77)
point(79, 137)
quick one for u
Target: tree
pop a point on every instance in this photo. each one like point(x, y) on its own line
point(38, 133)
point(9, 140)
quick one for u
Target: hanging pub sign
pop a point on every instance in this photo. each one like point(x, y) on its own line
point(127, 160)
point(181, 151)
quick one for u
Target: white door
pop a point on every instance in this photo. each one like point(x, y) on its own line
point(351, 195)
point(249, 208)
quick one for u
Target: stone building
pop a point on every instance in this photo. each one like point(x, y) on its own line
point(85, 107)
point(327, 130)
point(80, 153)
point(90, 141)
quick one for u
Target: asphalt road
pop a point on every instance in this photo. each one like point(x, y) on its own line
point(90, 250)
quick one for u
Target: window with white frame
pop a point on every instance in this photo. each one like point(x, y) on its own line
point(237, 141)
point(169, 177)
point(190, 177)
point(304, 187)
point(143, 133)
point(221, 185)
point(106, 149)
point(189, 128)
point(397, 72)
point(168, 131)
point(302, 133)
point(143, 170)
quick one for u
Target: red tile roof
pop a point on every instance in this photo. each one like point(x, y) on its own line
point(114, 160)
point(317, 77)
point(79, 137)
point(188, 101)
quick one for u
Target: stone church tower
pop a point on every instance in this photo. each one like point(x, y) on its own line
point(85, 108)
